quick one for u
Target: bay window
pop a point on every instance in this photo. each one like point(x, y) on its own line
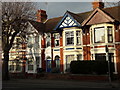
point(99, 35)
point(110, 37)
point(73, 37)
point(102, 34)
point(69, 36)
point(78, 37)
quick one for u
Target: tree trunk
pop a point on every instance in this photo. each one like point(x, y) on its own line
point(5, 72)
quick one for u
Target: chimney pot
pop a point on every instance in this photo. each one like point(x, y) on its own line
point(98, 4)
point(41, 15)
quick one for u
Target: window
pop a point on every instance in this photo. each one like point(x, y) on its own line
point(79, 57)
point(110, 37)
point(37, 61)
point(78, 38)
point(57, 36)
point(100, 57)
point(99, 35)
point(11, 67)
point(69, 58)
point(69, 38)
point(57, 61)
point(48, 38)
point(30, 64)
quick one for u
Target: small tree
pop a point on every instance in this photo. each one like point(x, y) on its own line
point(14, 16)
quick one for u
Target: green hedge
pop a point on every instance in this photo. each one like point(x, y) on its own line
point(89, 67)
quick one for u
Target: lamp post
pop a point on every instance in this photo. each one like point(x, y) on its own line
point(107, 58)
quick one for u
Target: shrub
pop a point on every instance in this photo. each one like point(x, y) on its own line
point(89, 67)
point(55, 70)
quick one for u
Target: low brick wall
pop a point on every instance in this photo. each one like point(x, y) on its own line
point(76, 77)
point(50, 76)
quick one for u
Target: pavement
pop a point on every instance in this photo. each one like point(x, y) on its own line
point(38, 84)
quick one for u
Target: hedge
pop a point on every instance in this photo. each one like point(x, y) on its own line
point(89, 67)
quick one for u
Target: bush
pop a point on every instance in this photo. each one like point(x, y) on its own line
point(40, 70)
point(89, 67)
point(55, 70)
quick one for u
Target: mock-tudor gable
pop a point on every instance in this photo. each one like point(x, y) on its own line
point(98, 16)
point(68, 20)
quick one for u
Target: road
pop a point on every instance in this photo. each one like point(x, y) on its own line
point(37, 84)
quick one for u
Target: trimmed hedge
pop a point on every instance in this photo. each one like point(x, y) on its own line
point(89, 67)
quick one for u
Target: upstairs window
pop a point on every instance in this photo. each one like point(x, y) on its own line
point(69, 37)
point(110, 34)
point(57, 41)
point(48, 39)
point(78, 34)
point(99, 35)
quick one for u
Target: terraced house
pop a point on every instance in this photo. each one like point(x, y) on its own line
point(91, 35)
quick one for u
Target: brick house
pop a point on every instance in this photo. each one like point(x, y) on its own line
point(82, 36)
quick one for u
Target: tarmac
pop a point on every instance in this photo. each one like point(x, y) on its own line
point(38, 84)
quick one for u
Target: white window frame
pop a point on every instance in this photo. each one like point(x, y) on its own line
point(70, 35)
point(99, 28)
point(57, 38)
point(78, 37)
point(105, 25)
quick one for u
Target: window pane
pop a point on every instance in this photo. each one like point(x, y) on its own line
point(79, 57)
point(30, 67)
point(18, 68)
point(99, 35)
point(100, 57)
point(56, 42)
point(110, 37)
point(78, 37)
point(11, 67)
point(69, 58)
point(69, 38)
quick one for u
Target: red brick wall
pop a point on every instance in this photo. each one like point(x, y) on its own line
point(86, 41)
point(52, 45)
point(61, 54)
point(43, 53)
point(118, 57)
point(86, 53)
point(117, 33)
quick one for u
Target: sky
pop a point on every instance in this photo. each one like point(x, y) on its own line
point(56, 9)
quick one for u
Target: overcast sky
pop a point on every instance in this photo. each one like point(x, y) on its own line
point(56, 9)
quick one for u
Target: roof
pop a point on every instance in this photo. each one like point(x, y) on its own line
point(80, 17)
point(40, 27)
point(113, 12)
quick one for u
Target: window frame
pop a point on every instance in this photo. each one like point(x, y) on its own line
point(56, 38)
point(95, 34)
point(110, 34)
point(78, 37)
point(69, 36)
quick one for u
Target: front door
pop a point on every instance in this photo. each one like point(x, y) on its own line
point(49, 65)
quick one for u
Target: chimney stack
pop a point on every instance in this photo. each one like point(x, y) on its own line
point(41, 15)
point(98, 4)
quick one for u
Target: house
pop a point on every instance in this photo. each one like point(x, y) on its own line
point(92, 35)
point(25, 54)
point(83, 36)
